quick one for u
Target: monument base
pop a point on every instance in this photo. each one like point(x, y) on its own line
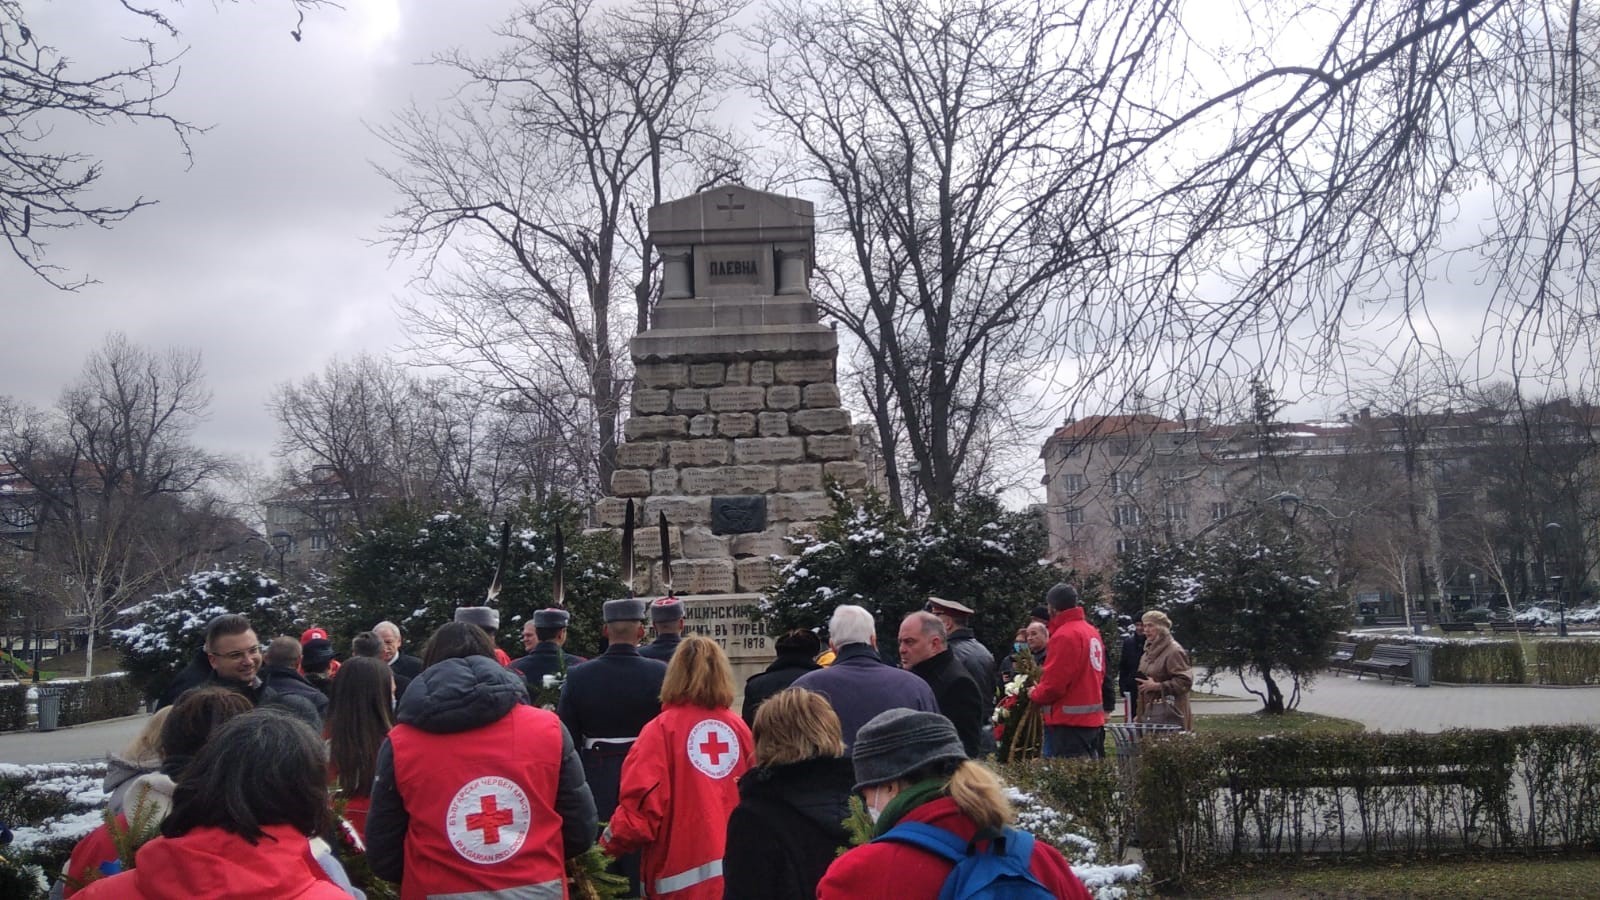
point(726, 619)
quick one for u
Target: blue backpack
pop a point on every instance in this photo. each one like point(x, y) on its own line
point(998, 872)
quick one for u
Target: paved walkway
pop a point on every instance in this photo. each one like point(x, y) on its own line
point(1382, 706)
point(81, 742)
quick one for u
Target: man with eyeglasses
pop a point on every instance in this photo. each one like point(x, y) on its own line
point(234, 652)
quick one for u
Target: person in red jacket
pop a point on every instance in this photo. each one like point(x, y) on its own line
point(680, 779)
point(241, 819)
point(1070, 690)
point(910, 767)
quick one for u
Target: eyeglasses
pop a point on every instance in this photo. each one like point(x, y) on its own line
point(237, 655)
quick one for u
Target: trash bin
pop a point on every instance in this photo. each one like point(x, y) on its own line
point(1421, 665)
point(49, 703)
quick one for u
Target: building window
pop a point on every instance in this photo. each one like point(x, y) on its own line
point(1072, 515)
point(1073, 482)
point(1220, 511)
point(1124, 484)
point(1125, 516)
point(1177, 512)
point(319, 542)
point(1129, 545)
point(1216, 477)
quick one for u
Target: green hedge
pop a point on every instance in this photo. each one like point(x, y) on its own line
point(13, 707)
point(1086, 793)
point(1205, 802)
point(1471, 661)
point(104, 697)
point(1569, 662)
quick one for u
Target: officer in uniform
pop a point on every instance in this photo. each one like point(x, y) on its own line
point(606, 702)
point(549, 655)
point(666, 617)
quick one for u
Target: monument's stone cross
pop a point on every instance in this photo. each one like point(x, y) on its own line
point(735, 420)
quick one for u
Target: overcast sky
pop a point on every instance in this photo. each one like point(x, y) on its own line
point(258, 254)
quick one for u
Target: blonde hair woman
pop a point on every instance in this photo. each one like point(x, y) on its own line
point(923, 793)
point(1164, 675)
point(792, 807)
point(680, 780)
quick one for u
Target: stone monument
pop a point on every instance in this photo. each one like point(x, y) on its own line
point(735, 418)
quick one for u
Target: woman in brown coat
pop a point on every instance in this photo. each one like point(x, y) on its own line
point(1164, 674)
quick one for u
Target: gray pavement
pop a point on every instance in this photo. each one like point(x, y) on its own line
point(81, 742)
point(1382, 706)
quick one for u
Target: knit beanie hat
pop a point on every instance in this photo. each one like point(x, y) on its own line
point(898, 742)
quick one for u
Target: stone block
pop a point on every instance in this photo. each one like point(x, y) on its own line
point(767, 451)
point(700, 543)
point(630, 483)
point(680, 510)
point(819, 421)
point(825, 447)
point(703, 481)
point(738, 373)
point(645, 427)
point(639, 454)
point(847, 474)
point(647, 542)
point(611, 511)
point(800, 507)
point(736, 424)
point(821, 395)
point(664, 481)
point(689, 400)
point(761, 543)
point(700, 453)
point(648, 402)
point(804, 371)
point(800, 477)
point(749, 479)
point(707, 374)
point(754, 574)
point(762, 373)
point(662, 374)
point(783, 396)
point(804, 531)
point(703, 426)
point(772, 424)
point(697, 576)
point(736, 399)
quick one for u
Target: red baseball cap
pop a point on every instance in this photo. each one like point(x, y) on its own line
point(312, 634)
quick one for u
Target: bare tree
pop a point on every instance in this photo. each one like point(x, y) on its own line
point(45, 187)
point(962, 151)
point(538, 182)
point(122, 506)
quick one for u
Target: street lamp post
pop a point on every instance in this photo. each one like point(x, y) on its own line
point(1472, 579)
point(281, 541)
point(1553, 529)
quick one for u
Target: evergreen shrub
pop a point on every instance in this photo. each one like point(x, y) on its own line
point(1569, 662)
point(13, 707)
point(105, 697)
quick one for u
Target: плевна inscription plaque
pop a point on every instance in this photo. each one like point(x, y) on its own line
point(738, 515)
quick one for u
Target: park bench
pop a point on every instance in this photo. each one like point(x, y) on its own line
point(1343, 653)
point(1505, 627)
point(1391, 658)
point(1448, 627)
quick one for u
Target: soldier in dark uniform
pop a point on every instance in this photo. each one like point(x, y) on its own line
point(548, 656)
point(666, 617)
point(606, 702)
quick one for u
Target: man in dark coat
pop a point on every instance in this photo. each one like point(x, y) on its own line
point(1128, 665)
point(280, 670)
point(607, 701)
point(924, 652)
point(547, 653)
point(972, 655)
point(797, 653)
point(859, 684)
point(403, 664)
point(316, 663)
point(666, 619)
point(196, 673)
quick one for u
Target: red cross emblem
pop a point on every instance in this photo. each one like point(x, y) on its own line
point(488, 819)
point(713, 748)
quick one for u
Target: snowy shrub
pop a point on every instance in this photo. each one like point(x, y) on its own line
point(49, 807)
point(1076, 806)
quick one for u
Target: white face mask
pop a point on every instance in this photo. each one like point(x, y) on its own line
point(873, 812)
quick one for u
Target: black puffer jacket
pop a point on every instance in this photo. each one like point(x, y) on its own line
point(787, 829)
point(782, 673)
point(451, 697)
